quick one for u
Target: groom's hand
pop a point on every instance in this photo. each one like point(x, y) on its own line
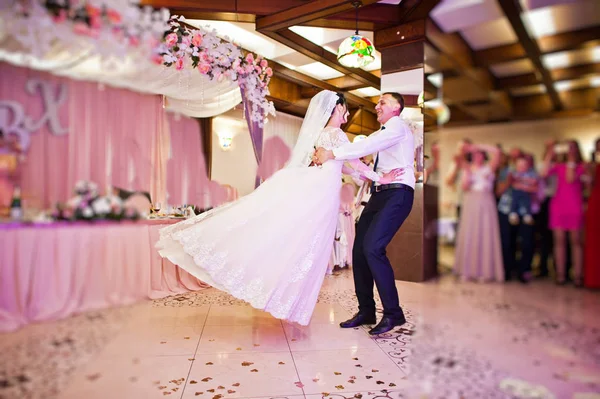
point(322, 155)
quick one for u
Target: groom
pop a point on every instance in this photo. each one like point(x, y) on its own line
point(385, 212)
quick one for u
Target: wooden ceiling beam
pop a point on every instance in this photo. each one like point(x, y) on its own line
point(254, 7)
point(568, 73)
point(455, 52)
point(400, 35)
point(346, 83)
point(304, 80)
point(318, 53)
point(305, 13)
point(510, 82)
point(513, 11)
point(216, 16)
point(414, 10)
point(575, 72)
point(588, 37)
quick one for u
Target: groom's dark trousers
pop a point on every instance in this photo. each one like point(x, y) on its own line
point(378, 223)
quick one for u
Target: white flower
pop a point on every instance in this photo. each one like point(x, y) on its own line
point(74, 202)
point(87, 212)
point(102, 206)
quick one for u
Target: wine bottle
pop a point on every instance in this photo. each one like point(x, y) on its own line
point(16, 210)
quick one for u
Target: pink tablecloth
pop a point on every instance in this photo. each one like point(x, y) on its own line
point(50, 272)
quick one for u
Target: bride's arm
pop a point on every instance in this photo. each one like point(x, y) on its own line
point(370, 174)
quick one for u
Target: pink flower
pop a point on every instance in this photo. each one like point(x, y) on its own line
point(236, 64)
point(157, 59)
point(250, 58)
point(257, 69)
point(179, 64)
point(96, 21)
point(264, 64)
point(204, 68)
point(171, 39)
point(240, 70)
point(134, 41)
point(154, 42)
point(113, 16)
point(81, 29)
point(197, 40)
point(92, 11)
point(61, 17)
point(269, 72)
point(186, 40)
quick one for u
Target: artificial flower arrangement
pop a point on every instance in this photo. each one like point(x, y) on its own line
point(87, 204)
point(113, 27)
point(116, 27)
point(183, 46)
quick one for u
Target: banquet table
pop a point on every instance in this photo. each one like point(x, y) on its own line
point(51, 271)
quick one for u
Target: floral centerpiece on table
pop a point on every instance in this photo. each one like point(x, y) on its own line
point(203, 50)
point(87, 204)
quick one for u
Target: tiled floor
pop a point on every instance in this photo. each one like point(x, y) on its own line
point(462, 340)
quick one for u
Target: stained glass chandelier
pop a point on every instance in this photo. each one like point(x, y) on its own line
point(356, 51)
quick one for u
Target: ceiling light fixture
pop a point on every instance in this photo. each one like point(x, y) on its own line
point(356, 51)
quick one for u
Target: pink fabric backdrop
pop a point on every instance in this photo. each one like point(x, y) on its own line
point(116, 137)
point(275, 155)
point(44, 169)
point(187, 180)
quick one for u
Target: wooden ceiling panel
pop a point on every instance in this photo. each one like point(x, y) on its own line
point(513, 12)
point(532, 106)
point(581, 98)
point(463, 89)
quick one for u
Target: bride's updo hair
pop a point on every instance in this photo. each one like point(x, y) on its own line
point(341, 101)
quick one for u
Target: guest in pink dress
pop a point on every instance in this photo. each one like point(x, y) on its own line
point(566, 207)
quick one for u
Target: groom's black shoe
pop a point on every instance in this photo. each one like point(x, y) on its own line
point(358, 320)
point(386, 324)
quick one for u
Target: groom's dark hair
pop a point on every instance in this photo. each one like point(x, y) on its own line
point(398, 97)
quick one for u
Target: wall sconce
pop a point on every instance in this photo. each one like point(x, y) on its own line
point(225, 140)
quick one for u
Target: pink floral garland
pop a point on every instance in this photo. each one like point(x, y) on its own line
point(217, 59)
point(172, 43)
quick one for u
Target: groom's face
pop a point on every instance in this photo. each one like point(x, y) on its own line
point(386, 108)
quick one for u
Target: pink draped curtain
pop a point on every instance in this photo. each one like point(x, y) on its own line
point(187, 179)
point(115, 137)
point(118, 138)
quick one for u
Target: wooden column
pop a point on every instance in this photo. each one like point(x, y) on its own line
point(412, 253)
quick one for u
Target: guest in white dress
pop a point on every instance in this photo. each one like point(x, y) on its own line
point(271, 248)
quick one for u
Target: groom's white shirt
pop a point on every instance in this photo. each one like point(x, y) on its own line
point(395, 145)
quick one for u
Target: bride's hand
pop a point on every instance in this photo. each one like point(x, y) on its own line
point(391, 176)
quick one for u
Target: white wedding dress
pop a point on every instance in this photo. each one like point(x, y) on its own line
point(270, 248)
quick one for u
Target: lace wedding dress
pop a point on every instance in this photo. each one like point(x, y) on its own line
point(270, 248)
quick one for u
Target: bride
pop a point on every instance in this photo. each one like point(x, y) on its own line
point(271, 248)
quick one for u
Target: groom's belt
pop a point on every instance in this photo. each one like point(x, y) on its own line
point(391, 186)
